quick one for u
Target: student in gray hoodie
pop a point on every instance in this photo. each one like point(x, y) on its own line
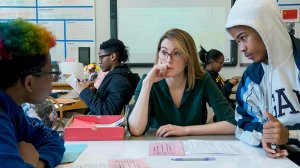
point(268, 97)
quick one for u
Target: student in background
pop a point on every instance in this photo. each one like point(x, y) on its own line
point(268, 94)
point(117, 86)
point(214, 61)
point(172, 96)
point(26, 76)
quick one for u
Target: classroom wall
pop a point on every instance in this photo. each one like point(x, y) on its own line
point(103, 33)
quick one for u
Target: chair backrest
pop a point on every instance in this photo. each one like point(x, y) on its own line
point(49, 112)
point(58, 110)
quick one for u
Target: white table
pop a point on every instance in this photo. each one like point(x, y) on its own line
point(98, 153)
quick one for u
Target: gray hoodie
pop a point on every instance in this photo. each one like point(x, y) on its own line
point(272, 87)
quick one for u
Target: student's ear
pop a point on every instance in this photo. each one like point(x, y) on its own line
point(113, 56)
point(28, 83)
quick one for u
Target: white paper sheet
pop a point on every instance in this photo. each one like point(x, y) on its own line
point(209, 147)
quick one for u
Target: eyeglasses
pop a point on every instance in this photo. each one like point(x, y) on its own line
point(221, 63)
point(104, 55)
point(52, 74)
point(163, 54)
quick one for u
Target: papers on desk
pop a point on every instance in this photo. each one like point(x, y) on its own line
point(127, 163)
point(77, 123)
point(124, 163)
point(70, 95)
point(209, 147)
point(66, 101)
point(166, 149)
point(59, 91)
point(193, 147)
point(86, 165)
point(72, 152)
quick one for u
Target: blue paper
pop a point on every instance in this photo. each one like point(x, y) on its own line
point(72, 152)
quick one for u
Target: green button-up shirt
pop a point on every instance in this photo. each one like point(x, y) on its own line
point(192, 109)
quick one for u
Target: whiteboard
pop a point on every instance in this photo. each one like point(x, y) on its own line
point(71, 21)
point(140, 24)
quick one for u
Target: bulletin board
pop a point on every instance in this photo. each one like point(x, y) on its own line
point(140, 23)
point(291, 23)
point(71, 21)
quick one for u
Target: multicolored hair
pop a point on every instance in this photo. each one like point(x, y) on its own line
point(20, 38)
point(24, 49)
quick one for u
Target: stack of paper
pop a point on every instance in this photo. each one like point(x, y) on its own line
point(187, 147)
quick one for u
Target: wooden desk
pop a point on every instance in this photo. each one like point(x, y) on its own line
point(61, 86)
point(79, 105)
point(98, 153)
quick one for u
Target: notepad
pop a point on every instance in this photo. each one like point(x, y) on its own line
point(166, 149)
point(72, 152)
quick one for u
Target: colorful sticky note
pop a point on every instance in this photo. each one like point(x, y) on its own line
point(72, 152)
point(166, 149)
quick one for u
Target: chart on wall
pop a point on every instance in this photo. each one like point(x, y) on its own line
point(71, 21)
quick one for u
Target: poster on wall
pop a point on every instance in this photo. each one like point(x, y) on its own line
point(290, 13)
point(72, 22)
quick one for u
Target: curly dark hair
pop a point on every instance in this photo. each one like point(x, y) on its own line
point(116, 46)
point(24, 48)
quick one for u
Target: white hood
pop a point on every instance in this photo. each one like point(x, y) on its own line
point(264, 17)
point(277, 89)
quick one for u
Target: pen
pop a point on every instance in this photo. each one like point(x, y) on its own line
point(273, 146)
point(194, 159)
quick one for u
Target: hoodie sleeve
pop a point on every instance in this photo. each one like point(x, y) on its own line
point(46, 141)
point(117, 94)
point(248, 114)
point(9, 153)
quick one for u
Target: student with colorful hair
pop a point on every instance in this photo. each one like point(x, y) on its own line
point(172, 97)
point(26, 76)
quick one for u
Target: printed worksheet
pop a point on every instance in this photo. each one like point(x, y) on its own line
point(209, 147)
point(127, 163)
